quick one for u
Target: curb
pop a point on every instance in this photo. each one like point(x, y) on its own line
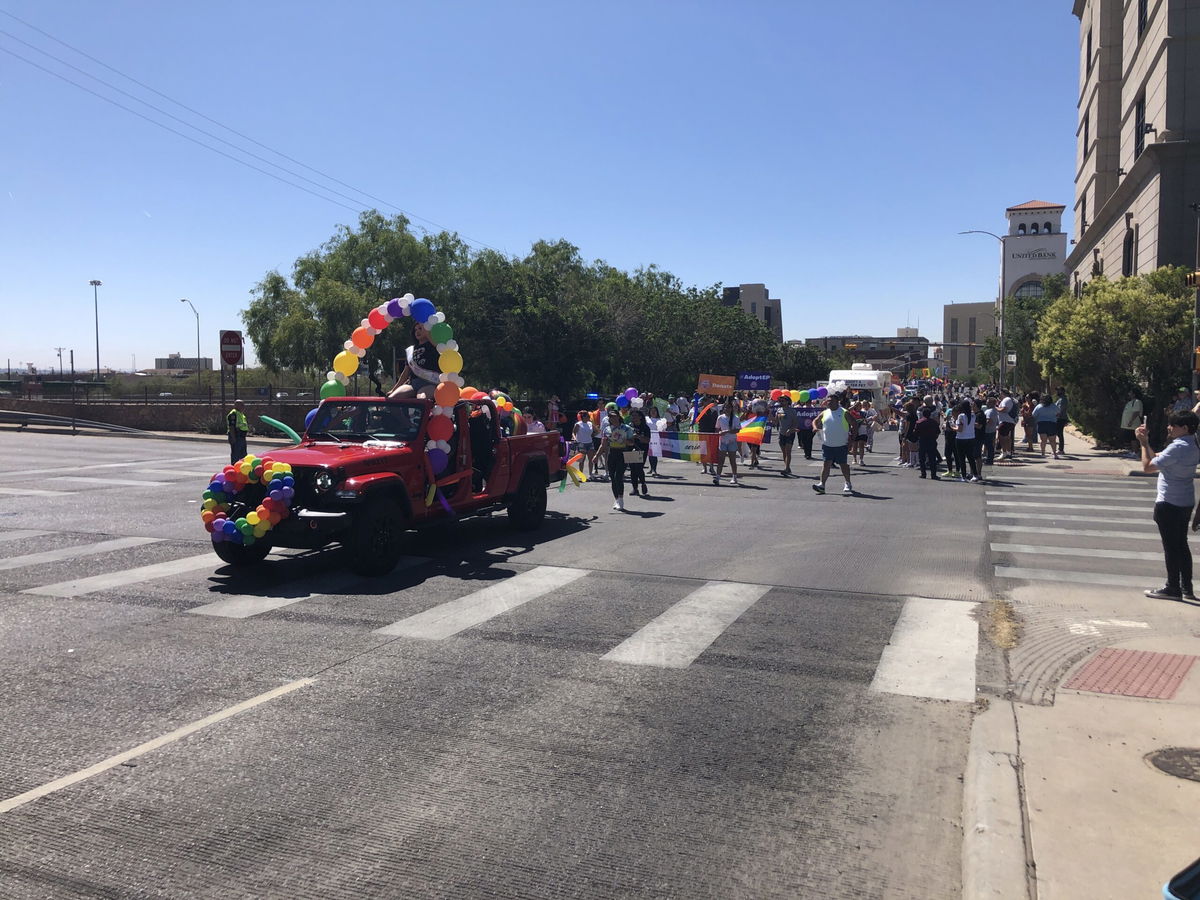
point(994, 851)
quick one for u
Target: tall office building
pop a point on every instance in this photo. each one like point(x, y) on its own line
point(1137, 163)
point(755, 300)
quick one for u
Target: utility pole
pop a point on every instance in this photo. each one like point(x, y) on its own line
point(60, 368)
point(1195, 208)
point(96, 283)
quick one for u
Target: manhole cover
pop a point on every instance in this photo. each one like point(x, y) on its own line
point(1182, 762)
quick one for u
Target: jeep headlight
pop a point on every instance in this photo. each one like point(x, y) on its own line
point(323, 481)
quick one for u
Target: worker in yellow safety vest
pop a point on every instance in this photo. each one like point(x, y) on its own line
point(238, 427)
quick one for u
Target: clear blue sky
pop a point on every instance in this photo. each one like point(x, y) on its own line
point(829, 150)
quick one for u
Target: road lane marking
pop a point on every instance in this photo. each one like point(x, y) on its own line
point(932, 651)
point(1075, 551)
point(1074, 577)
point(171, 737)
point(126, 577)
point(1052, 517)
point(450, 618)
point(1028, 505)
point(1042, 490)
point(1026, 529)
point(108, 482)
point(120, 465)
point(1114, 480)
point(30, 492)
point(243, 606)
point(675, 638)
point(20, 535)
point(49, 556)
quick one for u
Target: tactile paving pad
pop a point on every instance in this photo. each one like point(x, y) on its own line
point(1132, 673)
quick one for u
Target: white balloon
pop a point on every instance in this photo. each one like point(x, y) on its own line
point(365, 323)
point(349, 345)
point(451, 345)
point(637, 402)
point(437, 410)
point(358, 351)
point(383, 311)
point(444, 446)
point(407, 298)
point(372, 330)
point(431, 445)
point(340, 378)
point(442, 348)
point(332, 375)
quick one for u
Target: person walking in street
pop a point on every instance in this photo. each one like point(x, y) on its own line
point(728, 424)
point(804, 426)
point(1006, 427)
point(618, 437)
point(582, 436)
point(786, 423)
point(1176, 468)
point(1028, 423)
point(641, 444)
point(706, 423)
point(964, 442)
point(237, 428)
point(925, 433)
point(991, 426)
point(835, 428)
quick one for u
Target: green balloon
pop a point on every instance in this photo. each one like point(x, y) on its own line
point(333, 389)
point(440, 333)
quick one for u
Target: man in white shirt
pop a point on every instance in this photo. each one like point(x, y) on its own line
point(1007, 408)
point(1131, 418)
point(834, 426)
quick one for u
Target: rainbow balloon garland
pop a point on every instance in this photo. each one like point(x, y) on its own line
point(227, 485)
point(450, 363)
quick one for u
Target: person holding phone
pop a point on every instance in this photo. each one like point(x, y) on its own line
point(1176, 468)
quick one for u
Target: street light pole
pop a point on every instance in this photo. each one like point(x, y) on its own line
point(1195, 207)
point(999, 302)
point(96, 307)
point(199, 388)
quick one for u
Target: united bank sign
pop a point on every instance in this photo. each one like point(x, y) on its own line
point(1039, 253)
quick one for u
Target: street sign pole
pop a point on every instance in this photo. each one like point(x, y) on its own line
point(231, 355)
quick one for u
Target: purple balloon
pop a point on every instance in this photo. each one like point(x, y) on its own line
point(420, 310)
point(438, 460)
point(218, 535)
point(308, 418)
point(631, 393)
point(394, 308)
point(276, 495)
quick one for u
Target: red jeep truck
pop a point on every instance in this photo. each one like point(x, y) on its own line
point(362, 478)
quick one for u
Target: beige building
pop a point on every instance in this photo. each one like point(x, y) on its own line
point(965, 326)
point(1138, 161)
point(755, 300)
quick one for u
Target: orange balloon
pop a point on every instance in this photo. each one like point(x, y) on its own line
point(468, 391)
point(440, 428)
point(362, 338)
point(447, 393)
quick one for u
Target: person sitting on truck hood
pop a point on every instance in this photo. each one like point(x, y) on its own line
point(420, 376)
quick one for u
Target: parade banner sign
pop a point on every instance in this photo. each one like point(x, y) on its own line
point(722, 385)
point(753, 381)
point(688, 445)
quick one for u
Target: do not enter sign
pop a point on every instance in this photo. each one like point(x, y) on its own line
point(231, 347)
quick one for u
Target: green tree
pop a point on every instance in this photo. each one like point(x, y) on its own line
point(1134, 333)
point(801, 365)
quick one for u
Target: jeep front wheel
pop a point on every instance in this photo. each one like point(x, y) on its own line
point(240, 554)
point(376, 539)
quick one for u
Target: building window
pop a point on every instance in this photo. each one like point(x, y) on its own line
point(971, 330)
point(1030, 289)
point(1143, 12)
point(1088, 60)
point(1083, 223)
point(954, 331)
point(954, 359)
point(1021, 228)
point(1033, 228)
point(1139, 126)
point(1087, 133)
point(767, 316)
point(1046, 229)
point(971, 359)
point(753, 308)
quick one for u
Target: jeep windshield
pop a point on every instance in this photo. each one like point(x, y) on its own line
point(359, 421)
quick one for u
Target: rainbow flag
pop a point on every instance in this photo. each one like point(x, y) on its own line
point(689, 445)
point(753, 430)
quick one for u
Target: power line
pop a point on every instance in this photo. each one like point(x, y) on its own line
point(201, 115)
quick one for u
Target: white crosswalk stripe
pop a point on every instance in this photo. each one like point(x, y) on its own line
point(689, 627)
point(80, 586)
point(64, 553)
point(1072, 577)
point(476, 608)
point(33, 492)
point(1027, 505)
point(107, 482)
point(20, 535)
point(1042, 549)
point(932, 651)
point(1076, 532)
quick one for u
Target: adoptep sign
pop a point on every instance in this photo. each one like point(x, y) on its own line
point(231, 347)
point(753, 381)
point(715, 384)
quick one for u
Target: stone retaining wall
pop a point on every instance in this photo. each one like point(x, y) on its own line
point(165, 416)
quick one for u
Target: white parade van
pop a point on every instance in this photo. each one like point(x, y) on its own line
point(862, 380)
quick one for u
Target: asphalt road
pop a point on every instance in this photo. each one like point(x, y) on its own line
point(181, 729)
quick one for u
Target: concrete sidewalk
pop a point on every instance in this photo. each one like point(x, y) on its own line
point(1062, 799)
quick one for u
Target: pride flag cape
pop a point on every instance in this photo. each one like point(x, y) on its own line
point(689, 445)
point(752, 430)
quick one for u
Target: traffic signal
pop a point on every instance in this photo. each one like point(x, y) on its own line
point(1193, 279)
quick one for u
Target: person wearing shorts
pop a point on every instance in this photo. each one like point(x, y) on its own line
point(727, 427)
point(834, 426)
point(786, 421)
